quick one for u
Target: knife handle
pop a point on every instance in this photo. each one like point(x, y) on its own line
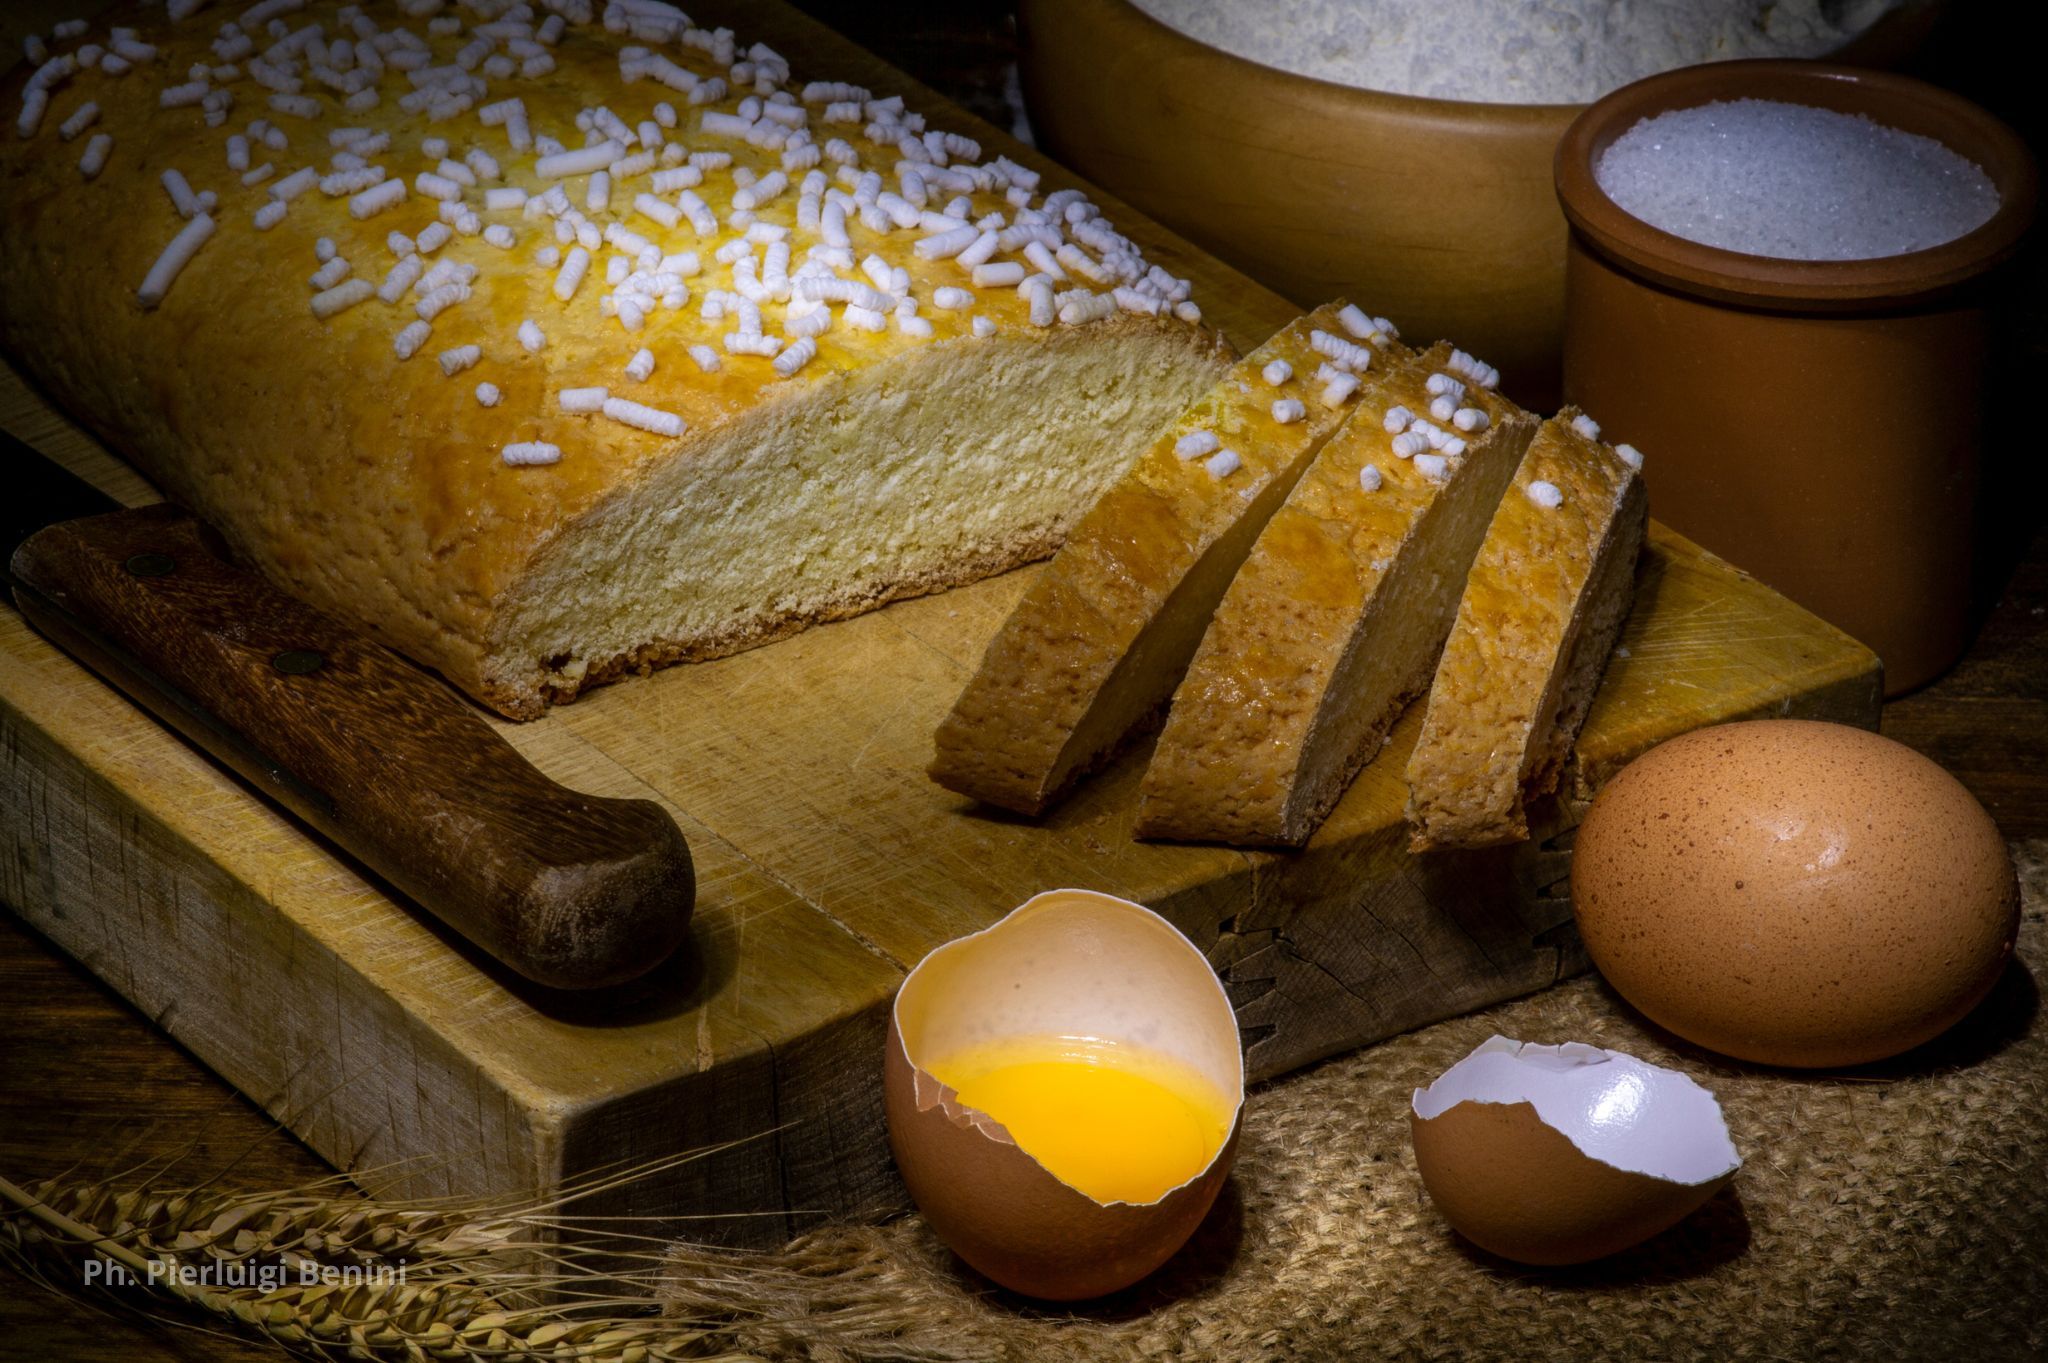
point(570, 890)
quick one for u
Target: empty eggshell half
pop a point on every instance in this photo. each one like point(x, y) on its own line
point(1068, 963)
point(1563, 1154)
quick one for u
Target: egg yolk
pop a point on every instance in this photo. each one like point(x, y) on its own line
point(1118, 1123)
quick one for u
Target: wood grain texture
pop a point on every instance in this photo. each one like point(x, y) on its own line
point(89, 1083)
point(827, 864)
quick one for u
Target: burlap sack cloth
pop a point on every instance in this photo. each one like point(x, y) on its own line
point(1894, 1212)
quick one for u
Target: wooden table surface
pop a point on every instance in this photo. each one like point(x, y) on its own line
point(86, 1082)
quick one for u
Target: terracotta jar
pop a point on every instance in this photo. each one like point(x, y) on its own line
point(1819, 423)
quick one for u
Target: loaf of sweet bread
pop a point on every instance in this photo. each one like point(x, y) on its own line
point(1335, 622)
point(1542, 605)
point(1098, 641)
point(556, 341)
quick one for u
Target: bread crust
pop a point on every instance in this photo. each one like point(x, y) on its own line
point(1098, 640)
point(1542, 606)
point(1331, 628)
point(374, 487)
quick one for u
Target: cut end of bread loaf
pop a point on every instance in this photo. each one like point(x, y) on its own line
point(1544, 602)
point(943, 466)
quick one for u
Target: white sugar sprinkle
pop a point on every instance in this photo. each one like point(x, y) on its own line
point(583, 401)
point(1475, 369)
point(1196, 445)
point(1337, 391)
point(81, 119)
point(581, 161)
point(331, 272)
point(574, 266)
point(462, 357)
point(1287, 411)
point(408, 341)
point(998, 275)
point(799, 353)
point(95, 158)
point(1344, 354)
point(643, 417)
point(1223, 463)
point(437, 301)
point(657, 210)
point(376, 199)
point(176, 256)
point(1369, 479)
point(1277, 372)
point(403, 276)
point(1630, 455)
point(297, 183)
point(531, 452)
point(1354, 320)
point(341, 297)
point(1541, 492)
point(487, 395)
point(1434, 467)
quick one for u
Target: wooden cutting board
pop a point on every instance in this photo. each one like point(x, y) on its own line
point(828, 866)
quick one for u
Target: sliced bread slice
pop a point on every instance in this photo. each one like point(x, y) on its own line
point(1102, 635)
point(1545, 599)
point(1335, 621)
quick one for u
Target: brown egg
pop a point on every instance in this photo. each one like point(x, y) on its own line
point(1794, 892)
point(1563, 1154)
point(1076, 967)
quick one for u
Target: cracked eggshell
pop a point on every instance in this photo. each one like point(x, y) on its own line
point(1794, 892)
point(1066, 963)
point(1564, 1154)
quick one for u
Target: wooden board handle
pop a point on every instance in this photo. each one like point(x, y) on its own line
point(570, 890)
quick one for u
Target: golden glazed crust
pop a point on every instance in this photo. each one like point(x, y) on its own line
point(1541, 609)
point(1330, 629)
point(1097, 642)
point(374, 486)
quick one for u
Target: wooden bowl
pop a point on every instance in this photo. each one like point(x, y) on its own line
point(1439, 214)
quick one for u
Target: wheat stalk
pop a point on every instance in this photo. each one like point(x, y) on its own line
point(481, 1281)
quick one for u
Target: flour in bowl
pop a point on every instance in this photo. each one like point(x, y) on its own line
point(1513, 51)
